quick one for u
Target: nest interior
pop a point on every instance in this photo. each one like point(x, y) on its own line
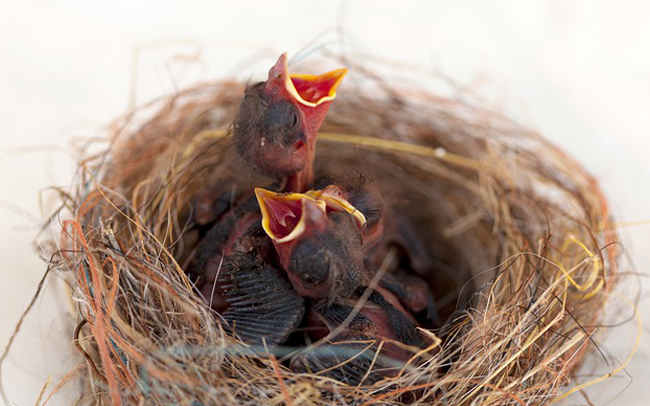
point(520, 233)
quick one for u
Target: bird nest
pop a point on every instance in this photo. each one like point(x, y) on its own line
point(520, 233)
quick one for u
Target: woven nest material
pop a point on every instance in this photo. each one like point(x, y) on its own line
point(520, 230)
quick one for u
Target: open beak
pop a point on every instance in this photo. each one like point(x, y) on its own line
point(307, 90)
point(286, 216)
point(335, 200)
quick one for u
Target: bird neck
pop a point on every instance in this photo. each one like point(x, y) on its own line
point(314, 117)
point(300, 181)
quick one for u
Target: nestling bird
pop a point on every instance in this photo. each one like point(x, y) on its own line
point(276, 126)
point(355, 197)
point(351, 356)
point(323, 241)
point(319, 243)
point(386, 229)
point(274, 132)
point(234, 271)
point(274, 138)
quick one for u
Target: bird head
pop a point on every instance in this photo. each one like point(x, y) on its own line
point(278, 120)
point(288, 218)
point(312, 94)
point(366, 200)
point(318, 241)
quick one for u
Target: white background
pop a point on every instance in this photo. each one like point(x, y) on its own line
point(578, 71)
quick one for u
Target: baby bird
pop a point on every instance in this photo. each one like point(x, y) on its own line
point(277, 122)
point(273, 137)
point(323, 242)
point(318, 246)
point(234, 271)
point(385, 229)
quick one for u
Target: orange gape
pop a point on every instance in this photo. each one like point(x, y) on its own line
point(317, 89)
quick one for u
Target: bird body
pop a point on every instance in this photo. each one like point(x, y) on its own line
point(385, 229)
point(360, 348)
point(240, 281)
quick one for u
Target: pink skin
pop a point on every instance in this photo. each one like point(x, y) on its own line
point(294, 159)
